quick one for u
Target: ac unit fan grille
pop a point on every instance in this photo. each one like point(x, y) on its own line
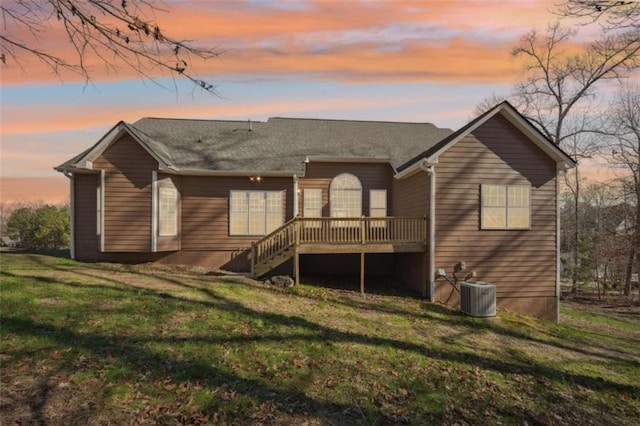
point(478, 299)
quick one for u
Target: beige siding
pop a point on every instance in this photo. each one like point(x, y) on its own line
point(87, 241)
point(411, 195)
point(371, 175)
point(205, 210)
point(411, 198)
point(522, 263)
point(127, 195)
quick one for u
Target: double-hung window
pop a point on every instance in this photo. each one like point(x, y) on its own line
point(505, 207)
point(255, 212)
point(378, 206)
point(167, 211)
point(312, 200)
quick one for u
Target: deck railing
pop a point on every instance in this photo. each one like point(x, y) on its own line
point(331, 230)
point(364, 230)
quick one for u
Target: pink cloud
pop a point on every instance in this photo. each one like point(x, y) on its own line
point(51, 190)
point(278, 40)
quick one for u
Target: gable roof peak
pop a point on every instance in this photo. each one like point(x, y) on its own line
point(510, 113)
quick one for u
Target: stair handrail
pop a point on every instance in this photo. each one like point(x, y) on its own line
point(275, 242)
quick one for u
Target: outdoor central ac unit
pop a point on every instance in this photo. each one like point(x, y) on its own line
point(478, 299)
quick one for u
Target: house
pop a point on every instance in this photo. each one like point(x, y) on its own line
point(307, 194)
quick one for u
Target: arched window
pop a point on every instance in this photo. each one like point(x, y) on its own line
point(345, 196)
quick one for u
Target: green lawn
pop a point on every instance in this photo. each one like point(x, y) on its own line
point(106, 343)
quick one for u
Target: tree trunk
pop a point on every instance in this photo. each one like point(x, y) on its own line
point(635, 242)
point(576, 235)
point(629, 271)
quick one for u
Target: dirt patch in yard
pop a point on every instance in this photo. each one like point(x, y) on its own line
point(613, 303)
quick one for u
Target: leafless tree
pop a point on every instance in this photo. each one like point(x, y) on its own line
point(601, 212)
point(115, 33)
point(557, 82)
point(581, 146)
point(624, 133)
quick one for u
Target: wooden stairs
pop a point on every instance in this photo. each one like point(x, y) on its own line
point(270, 264)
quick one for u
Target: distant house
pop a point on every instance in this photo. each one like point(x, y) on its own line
point(313, 195)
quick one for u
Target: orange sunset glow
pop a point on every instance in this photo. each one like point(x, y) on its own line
point(396, 60)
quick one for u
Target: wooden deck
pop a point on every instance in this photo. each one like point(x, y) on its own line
point(337, 235)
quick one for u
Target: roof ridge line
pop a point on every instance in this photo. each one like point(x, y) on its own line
point(354, 121)
point(199, 119)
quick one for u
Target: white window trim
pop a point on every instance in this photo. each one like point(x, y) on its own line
point(332, 204)
point(174, 219)
point(506, 208)
point(248, 234)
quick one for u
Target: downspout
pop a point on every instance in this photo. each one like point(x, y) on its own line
point(431, 171)
point(72, 214)
point(295, 195)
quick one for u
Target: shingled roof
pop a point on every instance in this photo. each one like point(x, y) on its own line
point(280, 144)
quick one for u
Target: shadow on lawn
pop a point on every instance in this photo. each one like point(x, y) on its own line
point(430, 311)
point(133, 352)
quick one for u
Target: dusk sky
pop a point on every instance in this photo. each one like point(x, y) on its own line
point(417, 61)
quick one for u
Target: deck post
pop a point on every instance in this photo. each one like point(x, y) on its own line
point(253, 260)
point(296, 265)
point(362, 272)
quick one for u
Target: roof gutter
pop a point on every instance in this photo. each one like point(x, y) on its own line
point(336, 159)
point(201, 172)
point(75, 169)
point(343, 159)
point(416, 167)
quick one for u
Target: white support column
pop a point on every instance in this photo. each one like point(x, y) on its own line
point(102, 208)
point(72, 216)
point(432, 233)
point(154, 211)
point(295, 196)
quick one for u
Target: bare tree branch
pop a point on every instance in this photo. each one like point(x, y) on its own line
point(115, 33)
point(612, 15)
point(556, 81)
